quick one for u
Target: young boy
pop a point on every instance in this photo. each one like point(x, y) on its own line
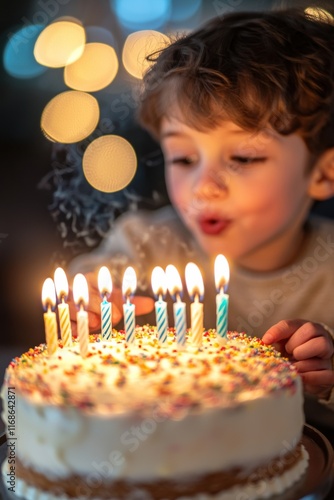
point(244, 111)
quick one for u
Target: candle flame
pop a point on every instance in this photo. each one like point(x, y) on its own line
point(129, 282)
point(222, 272)
point(61, 283)
point(48, 293)
point(159, 281)
point(80, 290)
point(104, 281)
point(174, 282)
point(194, 280)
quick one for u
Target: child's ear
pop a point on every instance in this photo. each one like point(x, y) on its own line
point(321, 186)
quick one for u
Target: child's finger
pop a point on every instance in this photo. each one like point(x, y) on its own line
point(318, 382)
point(282, 330)
point(317, 347)
point(312, 364)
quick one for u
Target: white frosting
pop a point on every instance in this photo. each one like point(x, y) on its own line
point(148, 412)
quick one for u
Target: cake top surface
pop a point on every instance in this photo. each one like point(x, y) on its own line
point(145, 376)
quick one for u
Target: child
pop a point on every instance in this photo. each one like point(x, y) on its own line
point(244, 111)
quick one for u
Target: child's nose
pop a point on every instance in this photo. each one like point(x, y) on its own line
point(212, 185)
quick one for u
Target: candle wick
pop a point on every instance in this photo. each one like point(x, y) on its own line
point(160, 297)
point(63, 298)
point(178, 298)
point(196, 298)
point(81, 305)
point(49, 307)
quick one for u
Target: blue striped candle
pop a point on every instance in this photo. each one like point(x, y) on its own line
point(222, 275)
point(158, 280)
point(105, 288)
point(128, 288)
point(129, 322)
point(106, 319)
point(179, 309)
point(222, 316)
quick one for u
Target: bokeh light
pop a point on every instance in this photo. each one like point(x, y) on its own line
point(109, 163)
point(18, 55)
point(143, 14)
point(95, 70)
point(60, 43)
point(138, 46)
point(70, 117)
point(100, 35)
point(184, 10)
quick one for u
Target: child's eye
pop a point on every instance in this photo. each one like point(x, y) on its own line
point(239, 162)
point(183, 160)
point(247, 160)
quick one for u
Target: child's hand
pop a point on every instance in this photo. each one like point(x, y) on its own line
point(310, 347)
point(144, 305)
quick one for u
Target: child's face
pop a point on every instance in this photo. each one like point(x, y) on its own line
point(240, 193)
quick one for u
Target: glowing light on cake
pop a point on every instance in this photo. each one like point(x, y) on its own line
point(60, 43)
point(109, 163)
point(80, 295)
point(174, 285)
point(61, 285)
point(138, 46)
point(94, 70)
point(128, 288)
point(50, 320)
point(159, 287)
point(222, 276)
point(70, 117)
point(105, 288)
point(195, 288)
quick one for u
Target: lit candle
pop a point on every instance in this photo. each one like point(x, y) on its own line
point(179, 308)
point(63, 309)
point(128, 288)
point(50, 320)
point(80, 295)
point(159, 289)
point(195, 288)
point(105, 288)
point(222, 276)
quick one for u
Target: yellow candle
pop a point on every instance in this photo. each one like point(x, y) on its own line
point(195, 288)
point(61, 284)
point(80, 294)
point(50, 320)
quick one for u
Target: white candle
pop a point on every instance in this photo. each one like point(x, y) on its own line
point(179, 308)
point(61, 284)
point(159, 289)
point(50, 320)
point(222, 275)
point(80, 294)
point(128, 288)
point(105, 288)
point(195, 288)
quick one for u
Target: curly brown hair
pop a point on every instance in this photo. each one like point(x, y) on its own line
point(257, 69)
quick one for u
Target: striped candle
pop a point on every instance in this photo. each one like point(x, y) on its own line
point(50, 320)
point(195, 287)
point(128, 288)
point(222, 274)
point(159, 289)
point(129, 322)
point(179, 307)
point(105, 288)
point(80, 294)
point(61, 285)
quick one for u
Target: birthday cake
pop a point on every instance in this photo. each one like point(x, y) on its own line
point(152, 421)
